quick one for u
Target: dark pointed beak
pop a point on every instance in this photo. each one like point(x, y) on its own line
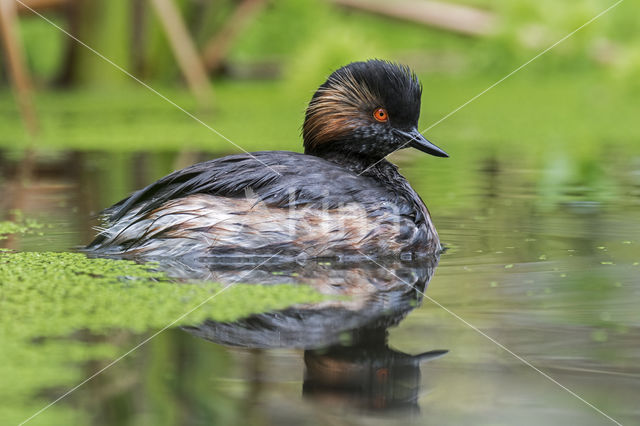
point(419, 142)
point(428, 356)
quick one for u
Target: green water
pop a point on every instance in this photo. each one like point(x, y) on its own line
point(543, 257)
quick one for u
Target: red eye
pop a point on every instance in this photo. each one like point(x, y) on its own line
point(381, 115)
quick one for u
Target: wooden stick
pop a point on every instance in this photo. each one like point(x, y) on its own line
point(218, 47)
point(139, 34)
point(20, 78)
point(462, 19)
point(68, 73)
point(184, 50)
point(41, 5)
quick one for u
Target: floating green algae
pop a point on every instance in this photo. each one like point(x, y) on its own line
point(20, 226)
point(48, 300)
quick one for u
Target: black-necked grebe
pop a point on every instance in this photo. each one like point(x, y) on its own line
point(341, 197)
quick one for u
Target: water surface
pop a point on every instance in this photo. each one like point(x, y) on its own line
point(543, 257)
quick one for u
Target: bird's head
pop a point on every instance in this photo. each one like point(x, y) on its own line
point(367, 109)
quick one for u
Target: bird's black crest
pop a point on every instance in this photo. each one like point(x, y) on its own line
point(345, 102)
point(396, 86)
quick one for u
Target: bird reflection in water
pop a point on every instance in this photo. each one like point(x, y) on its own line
point(348, 361)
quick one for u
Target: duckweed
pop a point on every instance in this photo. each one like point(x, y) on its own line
point(18, 227)
point(47, 299)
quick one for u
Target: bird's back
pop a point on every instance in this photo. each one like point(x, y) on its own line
point(265, 203)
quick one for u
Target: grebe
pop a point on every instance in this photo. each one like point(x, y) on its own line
point(341, 197)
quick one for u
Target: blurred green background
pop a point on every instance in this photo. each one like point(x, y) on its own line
point(576, 97)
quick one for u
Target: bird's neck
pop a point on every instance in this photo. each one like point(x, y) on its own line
point(354, 163)
point(357, 162)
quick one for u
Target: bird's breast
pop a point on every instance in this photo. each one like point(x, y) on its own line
point(217, 225)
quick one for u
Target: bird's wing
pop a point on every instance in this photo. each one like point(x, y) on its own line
point(277, 178)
